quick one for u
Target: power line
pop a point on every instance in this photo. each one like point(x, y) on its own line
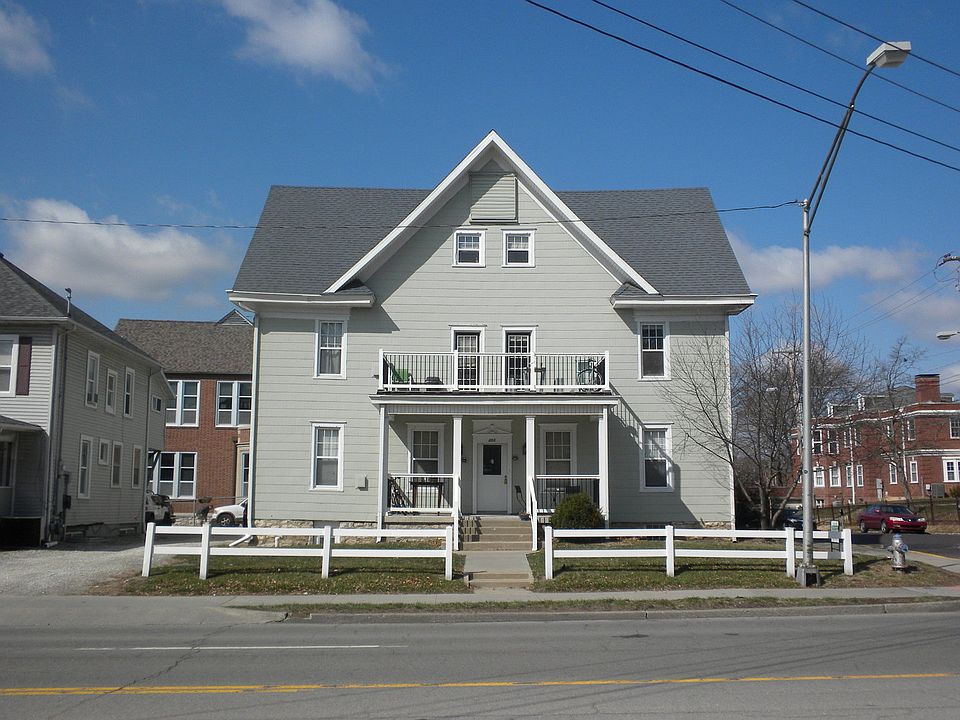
point(737, 86)
point(842, 59)
point(874, 37)
point(922, 295)
point(895, 292)
point(773, 77)
point(188, 226)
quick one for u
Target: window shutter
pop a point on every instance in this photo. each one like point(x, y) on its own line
point(24, 355)
point(494, 197)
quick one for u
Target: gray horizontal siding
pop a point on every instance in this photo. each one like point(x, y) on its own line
point(35, 407)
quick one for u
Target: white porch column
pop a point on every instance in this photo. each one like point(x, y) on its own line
point(382, 469)
point(531, 457)
point(457, 491)
point(603, 455)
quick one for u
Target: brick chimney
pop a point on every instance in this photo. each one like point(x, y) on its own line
point(928, 388)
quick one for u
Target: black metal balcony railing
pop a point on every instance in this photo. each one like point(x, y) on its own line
point(552, 489)
point(420, 493)
point(494, 372)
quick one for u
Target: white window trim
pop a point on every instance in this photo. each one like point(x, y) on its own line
point(134, 466)
point(439, 427)
point(178, 400)
point(482, 232)
point(131, 374)
point(835, 480)
point(235, 403)
point(342, 375)
point(531, 258)
point(104, 443)
point(177, 466)
point(643, 451)
point(666, 351)
point(848, 475)
point(92, 357)
point(542, 440)
point(156, 404)
point(89, 440)
point(955, 461)
point(894, 475)
point(467, 330)
point(342, 427)
point(118, 466)
point(914, 472)
point(819, 479)
point(858, 473)
point(954, 436)
point(108, 407)
point(910, 429)
point(14, 361)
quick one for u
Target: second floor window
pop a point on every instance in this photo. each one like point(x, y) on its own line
point(833, 447)
point(955, 427)
point(817, 442)
point(129, 381)
point(8, 364)
point(911, 429)
point(110, 396)
point(93, 379)
point(330, 349)
point(186, 407)
point(468, 249)
point(818, 477)
point(653, 350)
point(518, 249)
point(893, 474)
point(234, 400)
point(835, 476)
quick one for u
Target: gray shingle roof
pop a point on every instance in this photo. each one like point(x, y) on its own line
point(196, 348)
point(23, 296)
point(8, 423)
point(308, 237)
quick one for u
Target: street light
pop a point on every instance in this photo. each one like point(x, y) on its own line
point(947, 334)
point(889, 54)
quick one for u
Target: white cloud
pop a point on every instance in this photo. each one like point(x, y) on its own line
point(776, 268)
point(111, 261)
point(317, 36)
point(23, 41)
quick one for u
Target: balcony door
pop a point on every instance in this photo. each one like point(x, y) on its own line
point(517, 369)
point(467, 344)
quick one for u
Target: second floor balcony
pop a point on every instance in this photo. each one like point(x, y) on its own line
point(494, 372)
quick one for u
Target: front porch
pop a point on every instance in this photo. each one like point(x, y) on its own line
point(447, 457)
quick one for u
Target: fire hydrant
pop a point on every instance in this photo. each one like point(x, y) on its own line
point(898, 553)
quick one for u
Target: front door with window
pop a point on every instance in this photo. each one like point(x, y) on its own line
point(492, 479)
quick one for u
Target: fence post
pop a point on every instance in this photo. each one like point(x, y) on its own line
point(204, 550)
point(148, 548)
point(327, 535)
point(847, 536)
point(448, 554)
point(548, 551)
point(791, 547)
point(670, 547)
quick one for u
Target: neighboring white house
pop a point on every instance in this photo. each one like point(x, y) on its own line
point(485, 347)
point(81, 414)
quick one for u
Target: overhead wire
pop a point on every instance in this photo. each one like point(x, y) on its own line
point(873, 37)
point(775, 78)
point(737, 86)
point(836, 56)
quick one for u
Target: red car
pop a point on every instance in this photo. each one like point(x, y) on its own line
point(898, 518)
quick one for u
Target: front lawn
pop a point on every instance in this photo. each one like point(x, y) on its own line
point(294, 576)
point(594, 574)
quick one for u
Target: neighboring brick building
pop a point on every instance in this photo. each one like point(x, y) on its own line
point(209, 366)
point(887, 447)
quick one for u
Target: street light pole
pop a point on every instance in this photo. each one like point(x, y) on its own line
point(889, 54)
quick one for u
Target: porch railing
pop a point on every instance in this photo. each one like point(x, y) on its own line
point(494, 372)
point(552, 489)
point(420, 493)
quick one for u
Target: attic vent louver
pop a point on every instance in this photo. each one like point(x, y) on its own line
point(494, 197)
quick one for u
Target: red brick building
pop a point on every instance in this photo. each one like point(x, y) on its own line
point(890, 447)
point(210, 367)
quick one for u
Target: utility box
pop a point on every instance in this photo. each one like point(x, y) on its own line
point(936, 490)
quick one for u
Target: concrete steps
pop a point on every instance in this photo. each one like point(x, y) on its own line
point(494, 570)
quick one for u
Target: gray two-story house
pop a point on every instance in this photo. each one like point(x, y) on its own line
point(485, 347)
point(81, 414)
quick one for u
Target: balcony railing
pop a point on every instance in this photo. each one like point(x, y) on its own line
point(552, 489)
point(418, 493)
point(494, 372)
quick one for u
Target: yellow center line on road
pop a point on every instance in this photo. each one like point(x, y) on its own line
point(224, 689)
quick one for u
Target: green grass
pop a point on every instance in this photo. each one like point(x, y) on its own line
point(295, 576)
point(599, 574)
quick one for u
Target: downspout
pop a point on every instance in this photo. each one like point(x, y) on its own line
point(58, 402)
point(255, 379)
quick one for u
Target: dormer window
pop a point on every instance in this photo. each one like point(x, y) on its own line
point(468, 248)
point(518, 248)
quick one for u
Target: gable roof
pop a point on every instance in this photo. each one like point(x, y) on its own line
point(23, 297)
point(200, 348)
point(313, 241)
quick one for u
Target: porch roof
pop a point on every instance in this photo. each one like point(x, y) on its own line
point(11, 425)
point(496, 404)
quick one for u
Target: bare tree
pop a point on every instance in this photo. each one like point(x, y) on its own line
point(751, 426)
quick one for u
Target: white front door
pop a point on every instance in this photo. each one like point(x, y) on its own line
point(492, 479)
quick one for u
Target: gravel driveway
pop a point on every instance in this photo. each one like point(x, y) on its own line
point(67, 568)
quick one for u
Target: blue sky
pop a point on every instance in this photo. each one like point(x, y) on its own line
point(171, 111)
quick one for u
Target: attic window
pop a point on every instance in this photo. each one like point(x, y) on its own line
point(468, 248)
point(493, 197)
point(518, 249)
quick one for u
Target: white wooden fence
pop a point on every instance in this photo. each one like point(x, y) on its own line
point(789, 553)
point(326, 537)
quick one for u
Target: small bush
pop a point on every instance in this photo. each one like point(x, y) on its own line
point(577, 512)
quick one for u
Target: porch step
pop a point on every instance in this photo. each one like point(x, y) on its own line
point(499, 580)
point(495, 532)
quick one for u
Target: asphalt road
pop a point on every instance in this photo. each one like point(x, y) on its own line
point(896, 666)
point(945, 545)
